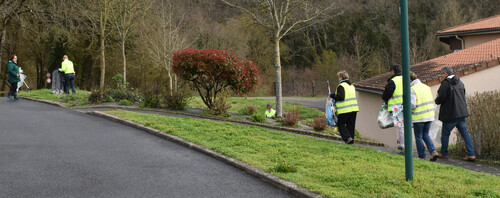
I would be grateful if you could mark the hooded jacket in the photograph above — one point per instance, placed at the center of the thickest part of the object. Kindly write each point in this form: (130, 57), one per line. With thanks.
(451, 97)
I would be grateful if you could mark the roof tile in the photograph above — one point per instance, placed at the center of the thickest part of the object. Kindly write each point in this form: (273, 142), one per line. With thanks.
(463, 62)
(482, 24)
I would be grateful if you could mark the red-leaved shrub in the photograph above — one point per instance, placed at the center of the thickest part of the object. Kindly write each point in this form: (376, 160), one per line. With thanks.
(319, 123)
(291, 118)
(211, 71)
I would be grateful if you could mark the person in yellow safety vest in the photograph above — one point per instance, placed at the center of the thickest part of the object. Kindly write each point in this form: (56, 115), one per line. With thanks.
(347, 107)
(270, 112)
(393, 96)
(422, 115)
(69, 74)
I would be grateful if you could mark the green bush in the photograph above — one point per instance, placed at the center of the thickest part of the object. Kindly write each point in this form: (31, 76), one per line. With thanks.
(152, 97)
(121, 93)
(221, 103)
(177, 101)
(125, 102)
(257, 118)
(108, 99)
(484, 116)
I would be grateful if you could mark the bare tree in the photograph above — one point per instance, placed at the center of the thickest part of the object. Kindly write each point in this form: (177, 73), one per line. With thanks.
(282, 17)
(98, 13)
(164, 39)
(126, 15)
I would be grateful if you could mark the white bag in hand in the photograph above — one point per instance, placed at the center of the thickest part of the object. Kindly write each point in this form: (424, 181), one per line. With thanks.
(436, 127)
(384, 118)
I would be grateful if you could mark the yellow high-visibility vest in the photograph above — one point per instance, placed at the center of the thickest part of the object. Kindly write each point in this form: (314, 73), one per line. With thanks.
(397, 96)
(67, 67)
(425, 102)
(349, 104)
(270, 114)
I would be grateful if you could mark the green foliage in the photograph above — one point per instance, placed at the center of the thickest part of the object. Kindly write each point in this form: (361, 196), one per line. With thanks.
(257, 117)
(118, 78)
(177, 101)
(239, 103)
(108, 99)
(125, 102)
(122, 93)
(221, 104)
(283, 166)
(249, 109)
(482, 192)
(325, 167)
(152, 97)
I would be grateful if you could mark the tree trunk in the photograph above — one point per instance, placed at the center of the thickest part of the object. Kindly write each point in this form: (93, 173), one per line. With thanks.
(124, 64)
(2, 76)
(277, 67)
(103, 65)
(170, 81)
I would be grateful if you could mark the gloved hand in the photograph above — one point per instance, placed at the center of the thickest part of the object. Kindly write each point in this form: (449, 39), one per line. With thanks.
(332, 95)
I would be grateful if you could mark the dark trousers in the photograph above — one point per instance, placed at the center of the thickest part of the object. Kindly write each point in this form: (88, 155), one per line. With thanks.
(346, 123)
(69, 79)
(13, 90)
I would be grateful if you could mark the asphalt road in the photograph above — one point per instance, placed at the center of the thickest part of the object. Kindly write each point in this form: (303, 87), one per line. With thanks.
(48, 151)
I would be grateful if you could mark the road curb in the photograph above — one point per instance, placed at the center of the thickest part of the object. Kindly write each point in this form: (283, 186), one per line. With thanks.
(287, 186)
(44, 101)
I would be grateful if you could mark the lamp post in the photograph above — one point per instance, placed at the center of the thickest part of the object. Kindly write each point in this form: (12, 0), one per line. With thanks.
(405, 62)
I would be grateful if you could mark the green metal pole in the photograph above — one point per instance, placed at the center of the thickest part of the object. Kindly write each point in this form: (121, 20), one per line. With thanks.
(405, 54)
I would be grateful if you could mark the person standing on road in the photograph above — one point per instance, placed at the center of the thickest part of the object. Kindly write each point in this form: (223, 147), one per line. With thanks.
(14, 77)
(453, 112)
(393, 96)
(347, 107)
(69, 74)
(422, 115)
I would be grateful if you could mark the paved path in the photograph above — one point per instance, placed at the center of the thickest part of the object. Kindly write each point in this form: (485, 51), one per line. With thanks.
(48, 151)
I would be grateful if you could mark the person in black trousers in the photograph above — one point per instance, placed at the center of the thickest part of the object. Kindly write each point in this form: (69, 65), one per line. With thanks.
(347, 107)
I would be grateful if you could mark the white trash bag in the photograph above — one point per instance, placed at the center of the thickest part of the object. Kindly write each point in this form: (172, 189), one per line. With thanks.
(384, 118)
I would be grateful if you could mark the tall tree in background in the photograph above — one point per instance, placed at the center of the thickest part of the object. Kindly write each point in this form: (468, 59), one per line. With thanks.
(282, 17)
(99, 13)
(126, 15)
(164, 39)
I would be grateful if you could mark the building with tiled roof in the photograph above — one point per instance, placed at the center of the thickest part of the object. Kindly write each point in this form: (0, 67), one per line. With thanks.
(478, 66)
(471, 34)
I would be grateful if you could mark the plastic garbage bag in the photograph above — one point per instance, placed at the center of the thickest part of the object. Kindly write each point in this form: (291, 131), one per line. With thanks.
(384, 118)
(331, 119)
(436, 127)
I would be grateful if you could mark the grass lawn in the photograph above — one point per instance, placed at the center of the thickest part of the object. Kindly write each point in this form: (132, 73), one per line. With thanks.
(79, 99)
(237, 103)
(328, 168)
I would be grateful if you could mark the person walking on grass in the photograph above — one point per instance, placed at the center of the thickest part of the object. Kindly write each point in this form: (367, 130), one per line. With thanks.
(422, 115)
(14, 77)
(347, 107)
(453, 112)
(393, 96)
(69, 74)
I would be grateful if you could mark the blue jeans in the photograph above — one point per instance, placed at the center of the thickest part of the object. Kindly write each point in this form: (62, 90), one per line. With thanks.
(461, 125)
(421, 131)
(69, 79)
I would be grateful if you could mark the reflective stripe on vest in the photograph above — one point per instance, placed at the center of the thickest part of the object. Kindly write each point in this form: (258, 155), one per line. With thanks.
(425, 102)
(397, 96)
(349, 104)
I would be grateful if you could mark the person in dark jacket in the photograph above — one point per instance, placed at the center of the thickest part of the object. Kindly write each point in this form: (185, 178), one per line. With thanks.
(393, 96)
(13, 72)
(453, 112)
(347, 107)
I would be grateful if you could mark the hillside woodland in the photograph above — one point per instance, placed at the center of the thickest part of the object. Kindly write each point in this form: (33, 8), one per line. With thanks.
(136, 39)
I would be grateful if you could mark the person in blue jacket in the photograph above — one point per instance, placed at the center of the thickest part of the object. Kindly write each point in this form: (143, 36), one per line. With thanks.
(14, 78)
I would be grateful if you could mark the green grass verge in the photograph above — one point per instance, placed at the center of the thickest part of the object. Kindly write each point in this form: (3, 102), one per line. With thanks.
(78, 99)
(237, 103)
(328, 168)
